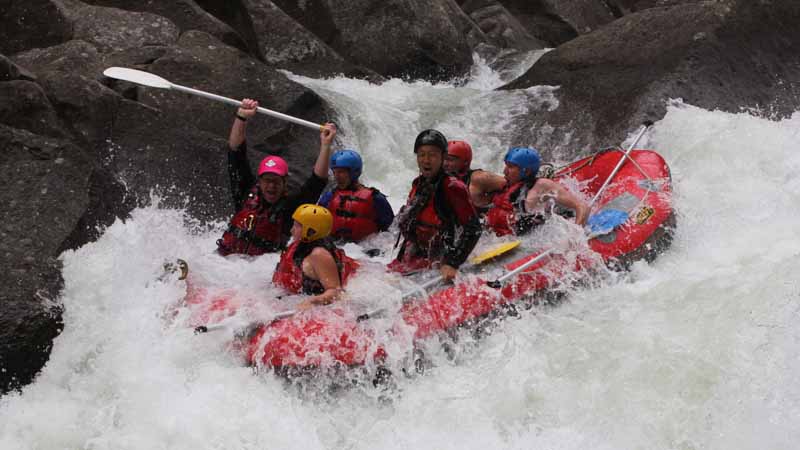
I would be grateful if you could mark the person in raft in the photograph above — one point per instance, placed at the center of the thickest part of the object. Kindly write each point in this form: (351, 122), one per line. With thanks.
(264, 208)
(482, 185)
(312, 264)
(358, 211)
(438, 223)
(520, 206)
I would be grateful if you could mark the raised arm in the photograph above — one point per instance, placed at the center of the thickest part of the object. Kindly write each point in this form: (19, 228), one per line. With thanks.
(326, 135)
(239, 128)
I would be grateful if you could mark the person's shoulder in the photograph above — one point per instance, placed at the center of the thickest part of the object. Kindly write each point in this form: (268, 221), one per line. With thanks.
(320, 254)
(545, 183)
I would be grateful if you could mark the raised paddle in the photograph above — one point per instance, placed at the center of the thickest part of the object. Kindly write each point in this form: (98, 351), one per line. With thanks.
(155, 81)
(645, 125)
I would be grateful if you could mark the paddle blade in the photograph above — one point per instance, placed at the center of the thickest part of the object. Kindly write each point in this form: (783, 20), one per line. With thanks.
(606, 220)
(495, 252)
(138, 77)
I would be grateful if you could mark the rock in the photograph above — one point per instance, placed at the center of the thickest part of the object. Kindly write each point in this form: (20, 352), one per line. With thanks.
(30, 316)
(153, 151)
(74, 56)
(584, 16)
(186, 14)
(541, 23)
(23, 104)
(499, 26)
(32, 24)
(85, 104)
(10, 71)
(726, 55)
(111, 29)
(426, 39)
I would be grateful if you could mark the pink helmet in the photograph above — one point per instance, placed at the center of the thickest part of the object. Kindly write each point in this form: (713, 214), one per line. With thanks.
(273, 164)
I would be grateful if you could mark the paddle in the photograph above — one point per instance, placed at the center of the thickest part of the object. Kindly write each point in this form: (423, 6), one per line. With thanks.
(645, 125)
(224, 326)
(151, 80)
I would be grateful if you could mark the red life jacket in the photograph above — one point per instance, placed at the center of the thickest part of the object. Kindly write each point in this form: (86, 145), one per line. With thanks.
(289, 272)
(256, 229)
(428, 223)
(354, 216)
(506, 212)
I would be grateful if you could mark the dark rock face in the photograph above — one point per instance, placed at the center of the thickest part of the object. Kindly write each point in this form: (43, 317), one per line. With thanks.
(725, 54)
(403, 38)
(501, 28)
(185, 14)
(31, 24)
(43, 197)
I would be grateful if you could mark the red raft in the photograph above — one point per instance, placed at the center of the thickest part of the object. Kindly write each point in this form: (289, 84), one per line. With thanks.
(641, 190)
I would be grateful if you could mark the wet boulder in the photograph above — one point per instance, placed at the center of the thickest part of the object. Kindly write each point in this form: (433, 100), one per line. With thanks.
(723, 55)
(429, 39)
(185, 14)
(32, 24)
(43, 200)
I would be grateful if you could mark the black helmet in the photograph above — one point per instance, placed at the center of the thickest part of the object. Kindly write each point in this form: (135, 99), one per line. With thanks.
(431, 137)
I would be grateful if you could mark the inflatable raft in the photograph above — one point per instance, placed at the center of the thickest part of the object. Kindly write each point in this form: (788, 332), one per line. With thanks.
(636, 193)
(639, 194)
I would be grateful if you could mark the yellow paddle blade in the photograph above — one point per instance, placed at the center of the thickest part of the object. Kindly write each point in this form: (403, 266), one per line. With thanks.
(495, 252)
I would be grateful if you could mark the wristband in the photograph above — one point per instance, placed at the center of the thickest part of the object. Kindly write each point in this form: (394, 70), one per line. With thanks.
(242, 118)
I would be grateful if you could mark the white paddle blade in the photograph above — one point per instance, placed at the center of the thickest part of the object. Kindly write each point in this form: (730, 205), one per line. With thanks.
(138, 77)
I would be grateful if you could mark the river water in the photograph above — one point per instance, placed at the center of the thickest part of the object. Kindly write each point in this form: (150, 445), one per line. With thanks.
(698, 350)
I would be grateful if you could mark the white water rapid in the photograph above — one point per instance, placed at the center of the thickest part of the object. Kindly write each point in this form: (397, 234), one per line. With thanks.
(699, 350)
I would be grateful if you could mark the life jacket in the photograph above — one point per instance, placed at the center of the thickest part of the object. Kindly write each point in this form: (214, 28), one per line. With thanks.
(289, 271)
(354, 216)
(424, 225)
(507, 214)
(256, 229)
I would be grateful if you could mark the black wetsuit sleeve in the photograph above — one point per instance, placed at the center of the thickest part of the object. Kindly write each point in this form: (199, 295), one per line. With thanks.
(240, 174)
(460, 245)
(383, 210)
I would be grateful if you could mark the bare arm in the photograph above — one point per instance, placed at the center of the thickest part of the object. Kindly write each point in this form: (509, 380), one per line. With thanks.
(326, 135)
(550, 189)
(320, 265)
(239, 127)
(488, 181)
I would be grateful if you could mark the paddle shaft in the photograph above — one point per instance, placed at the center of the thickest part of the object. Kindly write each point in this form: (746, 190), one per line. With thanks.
(231, 101)
(224, 326)
(645, 126)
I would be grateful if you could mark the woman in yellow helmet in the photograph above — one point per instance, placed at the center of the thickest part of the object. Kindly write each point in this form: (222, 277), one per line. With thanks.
(312, 264)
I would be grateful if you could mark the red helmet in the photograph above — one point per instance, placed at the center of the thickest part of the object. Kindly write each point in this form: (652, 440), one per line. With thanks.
(461, 150)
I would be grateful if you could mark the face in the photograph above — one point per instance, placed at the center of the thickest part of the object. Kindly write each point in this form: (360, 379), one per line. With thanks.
(429, 160)
(272, 186)
(453, 164)
(342, 177)
(513, 173)
(297, 231)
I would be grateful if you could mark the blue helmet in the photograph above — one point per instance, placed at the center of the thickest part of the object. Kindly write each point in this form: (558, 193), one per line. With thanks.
(348, 159)
(526, 158)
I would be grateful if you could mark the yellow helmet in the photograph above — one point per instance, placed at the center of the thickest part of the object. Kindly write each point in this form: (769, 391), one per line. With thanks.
(316, 220)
